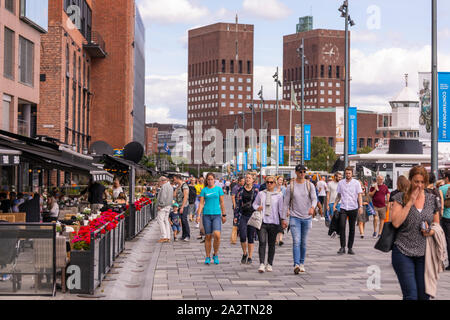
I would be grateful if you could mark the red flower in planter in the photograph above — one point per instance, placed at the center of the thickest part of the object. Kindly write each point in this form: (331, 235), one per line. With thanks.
(103, 231)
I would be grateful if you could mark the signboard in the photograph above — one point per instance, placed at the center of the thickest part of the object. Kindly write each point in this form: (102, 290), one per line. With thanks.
(255, 158)
(273, 150)
(353, 131)
(281, 151)
(118, 153)
(425, 106)
(298, 143)
(264, 155)
(307, 142)
(239, 162)
(9, 160)
(406, 165)
(443, 91)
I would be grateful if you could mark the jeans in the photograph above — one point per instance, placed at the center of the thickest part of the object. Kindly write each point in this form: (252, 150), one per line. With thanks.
(212, 222)
(445, 223)
(267, 236)
(299, 230)
(185, 223)
(411, 275)
(246, 232)
(352, 215)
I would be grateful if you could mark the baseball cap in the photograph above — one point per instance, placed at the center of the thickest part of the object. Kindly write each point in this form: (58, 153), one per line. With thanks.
(300, 167)
(175, 205)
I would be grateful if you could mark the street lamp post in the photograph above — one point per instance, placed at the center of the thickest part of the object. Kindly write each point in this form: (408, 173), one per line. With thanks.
(344, 13)
(434, 94)
(277, 84)
(260, 95)
(252, 107)
(301, 51)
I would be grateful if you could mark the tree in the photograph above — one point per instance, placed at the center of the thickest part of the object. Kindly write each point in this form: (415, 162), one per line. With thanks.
(364, 150)
(322, 155)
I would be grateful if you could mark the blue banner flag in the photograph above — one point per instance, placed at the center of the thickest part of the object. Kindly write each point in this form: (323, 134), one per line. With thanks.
(264, 155)
(353, 130)
(166, 148)
(443, 86)
(255, 158)
(245, 161)
(239, 162)
(281, 150)
(307, 136)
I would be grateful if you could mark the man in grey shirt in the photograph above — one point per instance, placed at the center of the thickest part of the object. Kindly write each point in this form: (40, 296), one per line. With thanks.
(164, 203)
(301, 208)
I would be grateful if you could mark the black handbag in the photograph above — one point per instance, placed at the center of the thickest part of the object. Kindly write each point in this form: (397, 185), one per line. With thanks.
(387, 238)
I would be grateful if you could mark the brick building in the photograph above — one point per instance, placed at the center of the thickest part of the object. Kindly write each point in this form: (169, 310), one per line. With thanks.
(20, 47)
(87, 64)
(220, 72)
(325, 71)
(151, 140)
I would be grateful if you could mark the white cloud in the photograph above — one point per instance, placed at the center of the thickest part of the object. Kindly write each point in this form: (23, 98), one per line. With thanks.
(172, 11)
(179, 11)
(379, 76)
(263, 77)
(267, 9)
(166, 98)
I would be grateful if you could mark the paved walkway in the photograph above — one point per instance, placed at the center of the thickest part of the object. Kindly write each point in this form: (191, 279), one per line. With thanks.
(149, 270)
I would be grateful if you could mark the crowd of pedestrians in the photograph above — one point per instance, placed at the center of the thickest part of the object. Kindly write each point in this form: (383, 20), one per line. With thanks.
(419, 210)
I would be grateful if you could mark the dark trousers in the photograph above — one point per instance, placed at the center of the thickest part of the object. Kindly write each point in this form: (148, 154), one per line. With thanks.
(352, 215)
(246, 233)
(445, 223)
(267, 237)
(186, 232)
(411, 275)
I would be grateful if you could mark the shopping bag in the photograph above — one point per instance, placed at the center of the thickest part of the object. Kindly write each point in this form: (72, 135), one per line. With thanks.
(255, 220)
(234, 233)
(370, 209)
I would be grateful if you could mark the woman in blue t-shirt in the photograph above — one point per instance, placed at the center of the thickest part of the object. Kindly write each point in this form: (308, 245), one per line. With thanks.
(212, 210)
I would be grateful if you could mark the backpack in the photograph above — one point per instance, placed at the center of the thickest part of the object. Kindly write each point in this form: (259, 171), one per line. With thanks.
(308, 187)
(192, 195)
(447, 199)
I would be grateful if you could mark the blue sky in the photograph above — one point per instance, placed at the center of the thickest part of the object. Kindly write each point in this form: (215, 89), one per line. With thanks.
(380, 56)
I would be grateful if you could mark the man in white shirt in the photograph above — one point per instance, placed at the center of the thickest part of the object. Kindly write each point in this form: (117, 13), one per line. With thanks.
(349, 195)
(331, 196)
(322, 191)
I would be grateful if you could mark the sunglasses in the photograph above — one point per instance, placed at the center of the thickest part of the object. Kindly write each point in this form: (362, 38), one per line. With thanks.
(301, 171)
(270, 182)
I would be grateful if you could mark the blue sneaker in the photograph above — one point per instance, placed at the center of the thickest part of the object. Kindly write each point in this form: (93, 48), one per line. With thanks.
(216, 259)
(208, 260)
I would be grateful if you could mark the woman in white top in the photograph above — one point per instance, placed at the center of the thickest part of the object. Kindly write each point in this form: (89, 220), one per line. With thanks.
(53, 206)
(270, 202)
(282, 189)
(117, 189)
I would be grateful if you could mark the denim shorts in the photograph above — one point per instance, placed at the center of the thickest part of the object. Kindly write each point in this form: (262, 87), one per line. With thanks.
(212, 222)
(176, 227)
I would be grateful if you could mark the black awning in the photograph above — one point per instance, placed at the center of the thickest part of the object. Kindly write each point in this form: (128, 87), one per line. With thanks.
(52, 159)
(122, 165)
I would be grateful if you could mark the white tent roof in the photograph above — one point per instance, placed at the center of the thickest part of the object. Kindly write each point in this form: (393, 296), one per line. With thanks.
(406, 95)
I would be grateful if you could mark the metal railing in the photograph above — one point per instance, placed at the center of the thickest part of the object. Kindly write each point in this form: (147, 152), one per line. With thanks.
(138, 220)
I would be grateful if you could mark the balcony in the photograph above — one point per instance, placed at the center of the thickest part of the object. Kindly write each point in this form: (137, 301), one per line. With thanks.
(95, 46)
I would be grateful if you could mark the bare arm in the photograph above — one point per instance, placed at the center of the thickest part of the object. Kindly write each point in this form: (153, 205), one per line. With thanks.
(399, 213)
(200, 208)
(222, 208)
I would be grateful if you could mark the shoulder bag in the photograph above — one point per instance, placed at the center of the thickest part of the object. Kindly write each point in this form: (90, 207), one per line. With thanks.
(387, 238)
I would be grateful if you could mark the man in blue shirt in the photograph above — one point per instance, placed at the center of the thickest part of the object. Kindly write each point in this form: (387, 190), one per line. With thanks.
(445, 221)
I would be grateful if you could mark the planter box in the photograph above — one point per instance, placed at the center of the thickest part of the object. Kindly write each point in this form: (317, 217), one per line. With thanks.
(83, 260)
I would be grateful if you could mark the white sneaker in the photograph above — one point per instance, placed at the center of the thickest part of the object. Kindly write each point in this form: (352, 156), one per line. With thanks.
(315, 219)
(296, 269)
(302, 268)
(269, 268)
(261, 268)
(322, 218)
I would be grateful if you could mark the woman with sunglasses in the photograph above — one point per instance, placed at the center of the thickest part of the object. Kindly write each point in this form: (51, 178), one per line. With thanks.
(270, 203)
